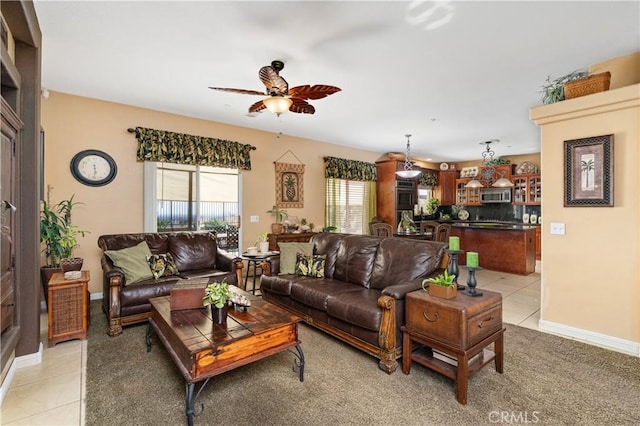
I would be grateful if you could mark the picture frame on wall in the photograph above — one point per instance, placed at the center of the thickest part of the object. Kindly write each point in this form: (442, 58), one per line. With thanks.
(588, 172)
(289, 185)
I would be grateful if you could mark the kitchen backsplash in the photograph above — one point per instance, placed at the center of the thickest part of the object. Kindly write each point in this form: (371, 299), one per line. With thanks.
(499, 212)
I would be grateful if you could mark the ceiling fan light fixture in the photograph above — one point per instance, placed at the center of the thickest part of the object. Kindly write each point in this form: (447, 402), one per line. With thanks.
(408, 172)
(277, 104)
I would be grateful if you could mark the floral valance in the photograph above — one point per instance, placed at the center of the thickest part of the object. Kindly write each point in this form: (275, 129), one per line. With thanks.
(428, 178)
(180, 148)
(340, 168)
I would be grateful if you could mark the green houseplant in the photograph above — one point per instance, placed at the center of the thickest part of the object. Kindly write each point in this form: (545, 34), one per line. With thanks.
(441, 286)
(263, 242)
(553, 90)
(217, 295)
(280, 215)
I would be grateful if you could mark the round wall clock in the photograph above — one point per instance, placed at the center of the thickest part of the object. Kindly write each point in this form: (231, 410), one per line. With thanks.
(94, 168)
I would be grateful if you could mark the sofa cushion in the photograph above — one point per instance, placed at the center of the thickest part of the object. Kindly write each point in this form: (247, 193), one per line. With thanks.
(275, 284)
(310, 266)
(355, 258)
(314, 293)
(327, 243)
(158, 243)
(193, 251)
(400, 260)
(162, 265)
(140, 293)
(288, 253)
(133, 262)
(357, 307)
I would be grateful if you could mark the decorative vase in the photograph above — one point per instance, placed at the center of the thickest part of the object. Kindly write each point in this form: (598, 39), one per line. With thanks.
(406, 223)
(219, 315)
(443, 292)
(276, 228)
(263, 246)
(71, 264)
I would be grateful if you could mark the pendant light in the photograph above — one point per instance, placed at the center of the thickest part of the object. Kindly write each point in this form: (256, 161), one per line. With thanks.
(488, 170)
(408, 171)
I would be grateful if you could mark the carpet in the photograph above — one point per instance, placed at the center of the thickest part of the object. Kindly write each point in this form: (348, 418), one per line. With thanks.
(546, 380)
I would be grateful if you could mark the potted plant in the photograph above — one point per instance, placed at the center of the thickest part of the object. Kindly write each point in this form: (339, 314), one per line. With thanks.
(441, 286)
(217, 295)
(280, 215)
(432, 206)
(553, 90)
(60, 238)
(263, 242)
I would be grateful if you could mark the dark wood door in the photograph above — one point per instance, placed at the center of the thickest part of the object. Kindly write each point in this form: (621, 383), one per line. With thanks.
(10, 127)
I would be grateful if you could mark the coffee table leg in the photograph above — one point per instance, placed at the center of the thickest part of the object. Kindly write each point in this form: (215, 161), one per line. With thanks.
(299, 364)
(191, 400)
(147, 337)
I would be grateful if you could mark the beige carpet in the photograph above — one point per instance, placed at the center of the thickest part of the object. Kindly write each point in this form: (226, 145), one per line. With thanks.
(546, 380)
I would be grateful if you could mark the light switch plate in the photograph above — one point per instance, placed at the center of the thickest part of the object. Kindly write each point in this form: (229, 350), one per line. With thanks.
(254, 219)
(557, 228)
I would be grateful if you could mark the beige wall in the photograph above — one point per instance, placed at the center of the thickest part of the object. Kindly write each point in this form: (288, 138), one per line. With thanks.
(73, 123)
(591, 275)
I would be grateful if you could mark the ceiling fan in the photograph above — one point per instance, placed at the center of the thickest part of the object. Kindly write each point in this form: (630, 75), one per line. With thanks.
(280, 98)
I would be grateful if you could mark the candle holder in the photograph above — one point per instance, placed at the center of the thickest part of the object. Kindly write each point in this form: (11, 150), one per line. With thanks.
(453, 266)
(471, 281)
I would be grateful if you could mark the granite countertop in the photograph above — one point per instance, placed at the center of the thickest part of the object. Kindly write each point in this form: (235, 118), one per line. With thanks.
(479, 224)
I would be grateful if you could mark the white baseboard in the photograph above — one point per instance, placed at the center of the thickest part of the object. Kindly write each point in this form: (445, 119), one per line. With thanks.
(19, 362)
(96, 296)
(614, 343)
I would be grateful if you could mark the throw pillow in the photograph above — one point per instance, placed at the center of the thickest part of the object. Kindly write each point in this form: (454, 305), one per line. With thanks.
(310, 266)
(288, 255)
(162, 265)
(133, 262)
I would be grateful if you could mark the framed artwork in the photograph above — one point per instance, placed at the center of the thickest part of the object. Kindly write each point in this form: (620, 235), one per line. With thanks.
(588, 172)
(289, 185)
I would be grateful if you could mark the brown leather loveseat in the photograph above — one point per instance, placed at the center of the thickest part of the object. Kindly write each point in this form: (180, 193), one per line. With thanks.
(195, 254)
(360, 300)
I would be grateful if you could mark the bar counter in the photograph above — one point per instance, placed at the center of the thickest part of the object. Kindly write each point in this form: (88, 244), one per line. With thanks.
(501, 246)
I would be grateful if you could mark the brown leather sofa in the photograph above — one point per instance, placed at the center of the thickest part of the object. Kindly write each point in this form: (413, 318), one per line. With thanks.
(361, 298)
(196, 255)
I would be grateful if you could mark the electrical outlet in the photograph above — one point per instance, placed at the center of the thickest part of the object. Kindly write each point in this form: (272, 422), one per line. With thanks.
(557, 228)
(254, 219)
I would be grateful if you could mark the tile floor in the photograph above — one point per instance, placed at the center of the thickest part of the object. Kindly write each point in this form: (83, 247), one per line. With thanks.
(53, 392)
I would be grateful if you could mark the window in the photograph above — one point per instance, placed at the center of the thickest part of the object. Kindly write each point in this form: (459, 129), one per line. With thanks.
(349, 205)
(193, 198)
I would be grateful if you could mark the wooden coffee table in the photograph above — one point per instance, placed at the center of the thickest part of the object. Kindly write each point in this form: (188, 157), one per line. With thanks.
(202, 350)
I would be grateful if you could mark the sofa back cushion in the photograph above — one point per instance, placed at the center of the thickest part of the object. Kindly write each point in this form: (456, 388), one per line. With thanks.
(400, 260)
(355, 259)
(192, 251)
(327, 244)
(158, 242)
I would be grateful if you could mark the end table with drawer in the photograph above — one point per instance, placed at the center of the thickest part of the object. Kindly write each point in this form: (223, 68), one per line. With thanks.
(453, 335)
(68, 303)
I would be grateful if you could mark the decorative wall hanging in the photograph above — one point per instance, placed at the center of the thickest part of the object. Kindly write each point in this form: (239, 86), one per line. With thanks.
(289, 183)
(588, 172)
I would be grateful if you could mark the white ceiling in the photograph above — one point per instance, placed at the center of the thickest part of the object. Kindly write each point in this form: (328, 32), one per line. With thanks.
(451, 73)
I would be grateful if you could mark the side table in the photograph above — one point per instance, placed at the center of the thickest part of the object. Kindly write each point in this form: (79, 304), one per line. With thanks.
(454, 334)
(68, 303)
(255, 260)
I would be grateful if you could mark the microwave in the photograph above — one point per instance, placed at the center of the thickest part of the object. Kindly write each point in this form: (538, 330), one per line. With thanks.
(495, 195)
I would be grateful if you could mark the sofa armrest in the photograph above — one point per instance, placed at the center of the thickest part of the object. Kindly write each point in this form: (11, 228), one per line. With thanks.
(230, 263)
(271, 266)
(398, 291)
(113, 281)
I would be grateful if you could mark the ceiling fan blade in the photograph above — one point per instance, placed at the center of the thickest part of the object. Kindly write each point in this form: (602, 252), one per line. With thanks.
(301, 106)
(317, 91)
(275, 84)
(243, 91)
(257, 107)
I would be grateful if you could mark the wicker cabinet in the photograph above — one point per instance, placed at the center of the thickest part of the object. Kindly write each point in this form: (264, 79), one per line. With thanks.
(68, 303)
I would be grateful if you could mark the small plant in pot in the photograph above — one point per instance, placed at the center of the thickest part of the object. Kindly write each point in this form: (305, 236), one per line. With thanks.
(217, 295)
(60, 238)
(441, 286)
(263, 242)
(280, 216)
(553, 90)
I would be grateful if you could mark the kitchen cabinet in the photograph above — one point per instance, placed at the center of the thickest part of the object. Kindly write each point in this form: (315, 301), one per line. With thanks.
(387, 191)
(527, 189)
(466, 196)
(446, 190)
(539, 243)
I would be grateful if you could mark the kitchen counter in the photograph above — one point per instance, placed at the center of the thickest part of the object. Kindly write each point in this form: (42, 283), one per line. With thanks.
(501, 246)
